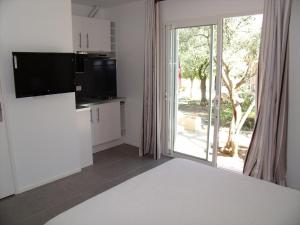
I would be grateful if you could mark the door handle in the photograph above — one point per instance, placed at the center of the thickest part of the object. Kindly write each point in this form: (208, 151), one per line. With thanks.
(91, 116)
(87, 41)
(80, 40)
(98, 111)
(1, 113)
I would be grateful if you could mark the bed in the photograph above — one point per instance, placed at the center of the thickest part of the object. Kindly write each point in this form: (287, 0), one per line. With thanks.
(183, 192)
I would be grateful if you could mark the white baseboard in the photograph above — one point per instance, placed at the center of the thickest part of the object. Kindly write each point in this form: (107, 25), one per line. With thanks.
(292, 185)
(5, 195)
(108, 145)
(46, 181)
(87, 164)
(132, 143)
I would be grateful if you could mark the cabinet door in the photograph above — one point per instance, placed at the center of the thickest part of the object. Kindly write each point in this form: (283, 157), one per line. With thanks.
(94, 125)
(97, 35)
(78, 34)
(109, 124)
(84, 137)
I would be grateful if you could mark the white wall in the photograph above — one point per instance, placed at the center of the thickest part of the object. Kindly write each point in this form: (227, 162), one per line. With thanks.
(41, 130)
(81, 10)
(294, 106)
(177, 10)
(130, 27)
(84, 10)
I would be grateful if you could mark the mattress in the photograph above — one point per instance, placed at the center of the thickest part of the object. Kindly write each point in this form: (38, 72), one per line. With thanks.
(183, 192)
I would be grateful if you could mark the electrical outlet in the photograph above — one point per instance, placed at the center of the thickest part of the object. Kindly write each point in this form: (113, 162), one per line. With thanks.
(78, 88)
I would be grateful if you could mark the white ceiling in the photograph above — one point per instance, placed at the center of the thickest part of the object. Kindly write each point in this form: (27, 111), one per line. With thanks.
(102, 3)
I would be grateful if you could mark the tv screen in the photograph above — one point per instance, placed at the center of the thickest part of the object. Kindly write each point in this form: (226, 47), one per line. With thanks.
(38, 74)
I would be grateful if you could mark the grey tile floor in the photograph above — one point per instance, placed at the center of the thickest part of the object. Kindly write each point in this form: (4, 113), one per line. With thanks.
(111, 167)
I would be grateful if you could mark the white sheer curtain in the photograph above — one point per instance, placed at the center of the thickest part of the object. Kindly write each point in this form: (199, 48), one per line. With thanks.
(267, 153)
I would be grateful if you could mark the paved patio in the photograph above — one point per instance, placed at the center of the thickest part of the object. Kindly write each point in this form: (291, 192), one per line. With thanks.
(191, 140)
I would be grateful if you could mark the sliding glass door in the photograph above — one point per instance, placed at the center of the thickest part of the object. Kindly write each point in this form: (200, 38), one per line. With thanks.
(194, 73)
(212, 71)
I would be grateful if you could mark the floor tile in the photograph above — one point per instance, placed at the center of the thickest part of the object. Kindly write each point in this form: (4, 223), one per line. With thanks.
(111, 167)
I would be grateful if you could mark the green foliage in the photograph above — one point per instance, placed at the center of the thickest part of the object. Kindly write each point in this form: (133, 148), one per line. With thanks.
(194, 52)
(250, 121)
(241, 41)
(226, 112)
(202, 69)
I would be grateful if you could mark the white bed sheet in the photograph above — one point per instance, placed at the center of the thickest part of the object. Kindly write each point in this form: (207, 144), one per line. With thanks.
(183, 192)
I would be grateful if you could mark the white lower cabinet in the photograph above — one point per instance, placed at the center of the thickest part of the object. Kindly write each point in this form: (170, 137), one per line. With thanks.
(84, 137)
(105, 123)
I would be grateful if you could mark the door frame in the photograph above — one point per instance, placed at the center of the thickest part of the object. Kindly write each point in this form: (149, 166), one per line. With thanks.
(172, 68)
(10, 163)
(172, 25)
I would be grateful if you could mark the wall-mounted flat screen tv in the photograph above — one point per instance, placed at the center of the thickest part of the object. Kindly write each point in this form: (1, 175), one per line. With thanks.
(38, 74)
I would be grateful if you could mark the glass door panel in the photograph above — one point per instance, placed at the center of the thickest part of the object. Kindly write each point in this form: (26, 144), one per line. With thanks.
(240, 51)
(193, 90)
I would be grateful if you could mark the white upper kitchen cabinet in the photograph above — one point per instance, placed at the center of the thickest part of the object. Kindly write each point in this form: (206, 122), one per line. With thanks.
(91, 35)
(78, 33)
(97, 34)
